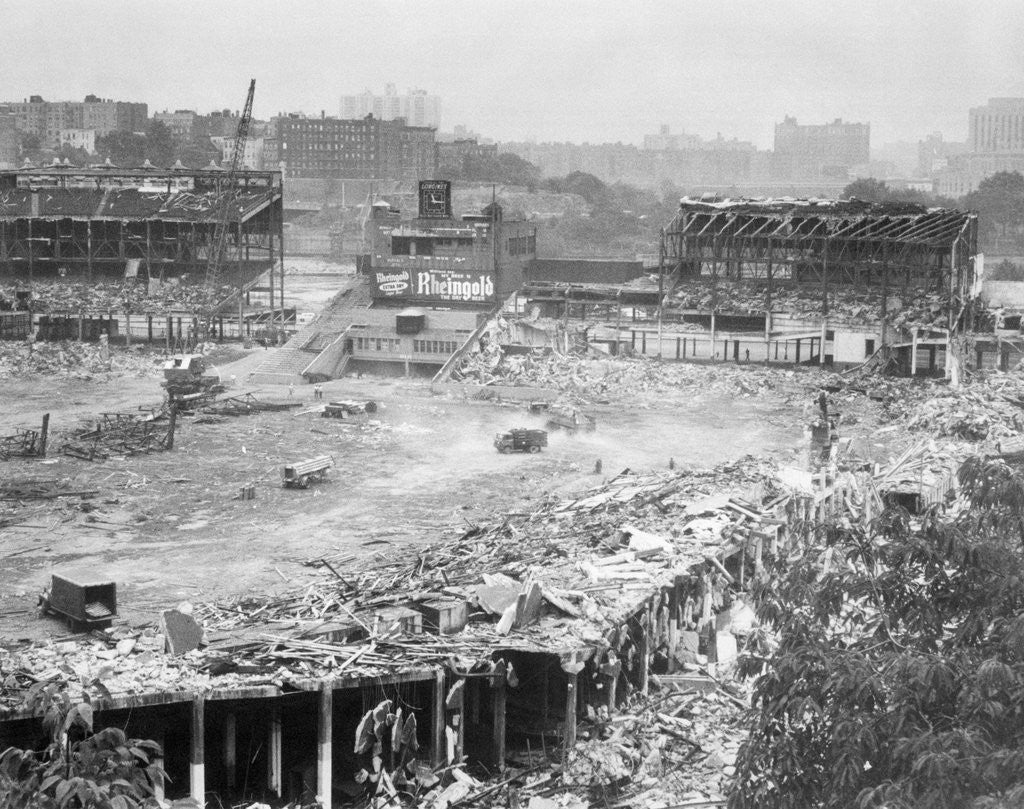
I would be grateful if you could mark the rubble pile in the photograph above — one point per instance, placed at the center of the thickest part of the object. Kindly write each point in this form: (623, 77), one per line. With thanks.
(985, 409)
(918, 307)
(596, 379)
(128, 296)
(572, 551)
(677, 745)
(68, 359)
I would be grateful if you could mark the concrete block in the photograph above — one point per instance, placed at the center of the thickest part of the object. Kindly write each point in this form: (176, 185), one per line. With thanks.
(443, 616)
(182, 632)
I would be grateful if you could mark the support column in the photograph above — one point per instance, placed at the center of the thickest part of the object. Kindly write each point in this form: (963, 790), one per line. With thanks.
(611, 673)
(455, 701)
(44, 432)
(88, 246)
(280, 251)
(712, 335)
(569, 733)
(821, 347)
(274, 752)
(498, 698)
(913, 354)
(230, 748)
(31, 252)
(460, 717)
(197, 767)
(438, 742)
(885, 305)
(644, 653)
(324, 758)
(158, 782)
(270, 252)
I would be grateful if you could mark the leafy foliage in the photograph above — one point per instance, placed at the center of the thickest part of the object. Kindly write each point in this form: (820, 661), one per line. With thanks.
(79, 769)
(504, 168)
(623, 220)
(872, 190)
(999, 202)
(898, 679)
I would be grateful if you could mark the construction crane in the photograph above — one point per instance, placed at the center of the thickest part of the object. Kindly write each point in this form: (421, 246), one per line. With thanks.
(228, 200)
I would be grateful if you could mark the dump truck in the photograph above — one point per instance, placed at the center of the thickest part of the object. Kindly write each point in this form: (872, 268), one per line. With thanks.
(570, 420)
(346, 407)
(521, 440)
(187, 379)
(300, 474)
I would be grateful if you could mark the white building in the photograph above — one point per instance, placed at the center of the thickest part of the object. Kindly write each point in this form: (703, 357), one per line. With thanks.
(252, 157)
(416, 106)
(78, 139)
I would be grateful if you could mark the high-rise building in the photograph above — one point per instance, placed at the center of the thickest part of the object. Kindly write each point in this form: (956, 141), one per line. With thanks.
(996, 143)
(417, 107)
(998, 127)
(813, 151)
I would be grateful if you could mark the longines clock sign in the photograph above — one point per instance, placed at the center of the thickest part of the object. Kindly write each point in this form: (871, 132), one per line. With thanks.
(435, 199)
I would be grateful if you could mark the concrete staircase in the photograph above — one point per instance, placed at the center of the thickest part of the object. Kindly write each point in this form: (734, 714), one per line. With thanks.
(285, 365)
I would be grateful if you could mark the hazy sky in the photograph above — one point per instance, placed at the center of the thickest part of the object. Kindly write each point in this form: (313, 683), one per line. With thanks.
(608, 70)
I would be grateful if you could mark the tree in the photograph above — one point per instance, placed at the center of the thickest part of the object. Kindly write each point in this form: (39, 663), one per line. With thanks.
(585, 185)
(505, 169)
(867, 189)
(79, 769)
(898, 679)
(123, 148)
(198, 153)
(159, 144)
(999, 202)
(30, 142)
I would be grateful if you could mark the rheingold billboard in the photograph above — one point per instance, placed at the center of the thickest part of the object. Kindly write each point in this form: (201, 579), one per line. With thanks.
(433, 284)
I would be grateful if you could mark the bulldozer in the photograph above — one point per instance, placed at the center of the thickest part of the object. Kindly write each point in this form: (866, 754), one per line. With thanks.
(188, 380)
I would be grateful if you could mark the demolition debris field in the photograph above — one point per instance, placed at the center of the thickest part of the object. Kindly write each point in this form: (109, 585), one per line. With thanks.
(172, 526)
(169, 526)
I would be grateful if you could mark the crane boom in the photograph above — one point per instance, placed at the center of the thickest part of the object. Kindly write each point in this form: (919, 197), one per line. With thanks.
(229, 195)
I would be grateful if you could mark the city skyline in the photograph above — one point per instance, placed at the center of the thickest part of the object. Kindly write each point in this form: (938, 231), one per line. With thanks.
(511, 72)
